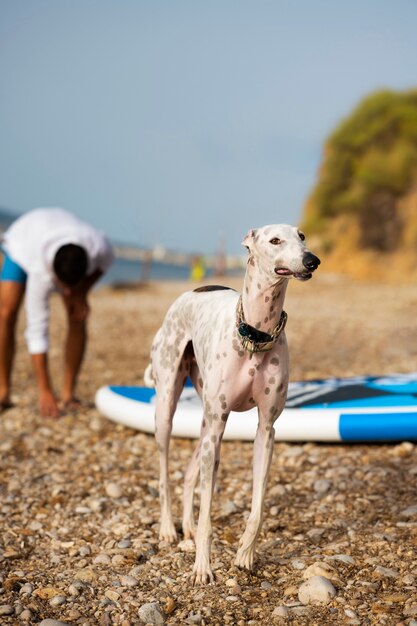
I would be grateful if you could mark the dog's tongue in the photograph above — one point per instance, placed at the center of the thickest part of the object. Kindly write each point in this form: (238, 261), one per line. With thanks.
(282, 271)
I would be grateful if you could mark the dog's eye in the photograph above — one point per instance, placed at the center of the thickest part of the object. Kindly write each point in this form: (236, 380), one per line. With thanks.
(275, 241)
(301, 235)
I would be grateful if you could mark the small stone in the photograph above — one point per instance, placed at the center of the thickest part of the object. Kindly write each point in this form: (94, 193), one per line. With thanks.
(84, 551)
(6, 609)
(322, 485)
(170, 605)
(124, 543)
(73, 591)
(280, 611)
(113, 490)
(296, 564)
(118, 559)
(53, 622)
(102, 559)
(82, 510)
(18, 608)
(266, 585)
(344, 558)
(112, 595)
(187, 545)
(316, 590)
(320, 569)
(292, 590)
(410, 511)
(26, 615)
(129, 581)
(150, 613)
(404, 449)
(228, 507)
(410, 610)
(26, 589)
(386, 572)
(86, 575)
(57, 600)
(315, 534)
(97, 504)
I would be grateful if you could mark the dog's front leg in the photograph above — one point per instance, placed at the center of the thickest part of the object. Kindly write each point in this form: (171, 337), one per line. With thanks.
(262, 454)
(209, 463)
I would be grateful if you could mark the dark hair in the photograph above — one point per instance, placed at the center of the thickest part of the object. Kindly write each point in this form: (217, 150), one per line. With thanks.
(70, 264)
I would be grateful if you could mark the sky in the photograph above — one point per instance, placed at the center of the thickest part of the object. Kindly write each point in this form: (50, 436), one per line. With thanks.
(182, 123)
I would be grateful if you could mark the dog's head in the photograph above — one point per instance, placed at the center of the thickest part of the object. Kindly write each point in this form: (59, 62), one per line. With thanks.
(280, 251)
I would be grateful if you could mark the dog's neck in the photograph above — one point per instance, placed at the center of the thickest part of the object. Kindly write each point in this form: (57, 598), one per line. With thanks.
(262, 299)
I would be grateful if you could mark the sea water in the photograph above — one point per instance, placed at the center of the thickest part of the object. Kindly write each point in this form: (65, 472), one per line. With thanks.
(133, 271)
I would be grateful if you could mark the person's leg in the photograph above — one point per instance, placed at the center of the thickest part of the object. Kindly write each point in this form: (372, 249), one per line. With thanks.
(11, 296)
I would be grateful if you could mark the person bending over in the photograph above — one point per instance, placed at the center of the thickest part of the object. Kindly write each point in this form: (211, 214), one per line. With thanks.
(45, 250)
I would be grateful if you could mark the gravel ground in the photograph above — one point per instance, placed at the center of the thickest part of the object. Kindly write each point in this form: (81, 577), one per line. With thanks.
(78, 496)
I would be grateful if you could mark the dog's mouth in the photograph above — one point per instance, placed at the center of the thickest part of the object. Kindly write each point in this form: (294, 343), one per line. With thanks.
(284, 271)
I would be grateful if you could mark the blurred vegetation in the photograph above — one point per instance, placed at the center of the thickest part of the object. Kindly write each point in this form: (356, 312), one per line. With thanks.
(369, 163)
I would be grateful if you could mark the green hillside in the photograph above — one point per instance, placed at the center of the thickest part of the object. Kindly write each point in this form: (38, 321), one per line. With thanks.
(369, 168)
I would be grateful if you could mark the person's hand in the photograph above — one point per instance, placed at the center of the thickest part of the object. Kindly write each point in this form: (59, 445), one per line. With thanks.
(48, 405)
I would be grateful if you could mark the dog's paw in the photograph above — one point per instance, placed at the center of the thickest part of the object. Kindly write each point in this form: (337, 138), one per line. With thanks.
(189, 531)
(245, 557)
(202, 572)
(168, 533)
(202, 576)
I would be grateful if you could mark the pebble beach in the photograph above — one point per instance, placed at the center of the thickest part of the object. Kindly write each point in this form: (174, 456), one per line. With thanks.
(79, 509)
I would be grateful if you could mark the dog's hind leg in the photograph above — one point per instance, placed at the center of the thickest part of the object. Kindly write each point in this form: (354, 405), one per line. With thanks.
(164, 412)
(190, 481)
(167, 397)
(193, 469)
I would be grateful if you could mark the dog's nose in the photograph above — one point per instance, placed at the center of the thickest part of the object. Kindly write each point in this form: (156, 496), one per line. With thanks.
(311, 261)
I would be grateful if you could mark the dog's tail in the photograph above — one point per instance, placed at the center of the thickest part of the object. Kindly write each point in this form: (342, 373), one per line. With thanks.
(148, 376)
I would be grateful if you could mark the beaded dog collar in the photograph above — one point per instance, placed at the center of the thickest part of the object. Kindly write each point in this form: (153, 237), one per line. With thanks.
(254, 340)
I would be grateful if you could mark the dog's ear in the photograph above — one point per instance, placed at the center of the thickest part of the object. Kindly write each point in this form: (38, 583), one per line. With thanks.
(248, 240)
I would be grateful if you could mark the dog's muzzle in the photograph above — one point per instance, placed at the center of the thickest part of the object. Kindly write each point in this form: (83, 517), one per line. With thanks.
(311, 261)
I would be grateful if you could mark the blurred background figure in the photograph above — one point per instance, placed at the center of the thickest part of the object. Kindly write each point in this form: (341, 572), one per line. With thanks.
(46, 250)
(198, 269)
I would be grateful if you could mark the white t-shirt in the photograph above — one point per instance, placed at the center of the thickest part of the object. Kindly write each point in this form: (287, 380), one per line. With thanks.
(32, 242)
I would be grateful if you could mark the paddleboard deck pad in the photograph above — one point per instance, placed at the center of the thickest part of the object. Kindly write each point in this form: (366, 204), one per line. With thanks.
(372, 408)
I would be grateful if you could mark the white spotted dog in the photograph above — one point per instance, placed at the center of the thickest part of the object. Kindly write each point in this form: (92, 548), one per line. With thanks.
(235, 351)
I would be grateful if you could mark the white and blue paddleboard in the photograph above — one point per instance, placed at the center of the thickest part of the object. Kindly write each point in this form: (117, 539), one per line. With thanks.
(336, 409)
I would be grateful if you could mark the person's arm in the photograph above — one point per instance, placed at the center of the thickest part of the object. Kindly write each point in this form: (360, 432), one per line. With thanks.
(75, 298)
(48, 404)
(91, 280)
(37, 313)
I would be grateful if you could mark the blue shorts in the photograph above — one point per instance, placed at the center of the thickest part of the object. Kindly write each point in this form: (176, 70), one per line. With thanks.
(12, 271)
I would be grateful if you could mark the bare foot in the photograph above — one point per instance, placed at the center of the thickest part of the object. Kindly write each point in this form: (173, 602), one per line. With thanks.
(72, 405)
